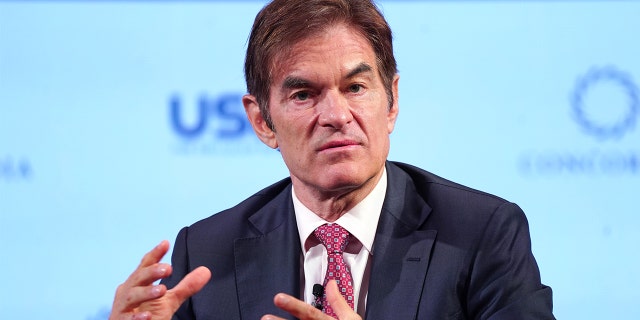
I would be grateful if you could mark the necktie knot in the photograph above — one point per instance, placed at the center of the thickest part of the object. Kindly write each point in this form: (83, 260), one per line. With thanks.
(333, 237)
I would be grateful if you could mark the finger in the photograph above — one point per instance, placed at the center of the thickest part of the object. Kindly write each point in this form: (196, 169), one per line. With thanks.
(338, 303)
(155, 255)
(129, 299)
(297, 308)
(148, 275)
(141, 316)
(149, 270)
(191, 283)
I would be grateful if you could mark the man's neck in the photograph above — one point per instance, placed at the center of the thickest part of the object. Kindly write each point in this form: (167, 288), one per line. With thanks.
(332, 204)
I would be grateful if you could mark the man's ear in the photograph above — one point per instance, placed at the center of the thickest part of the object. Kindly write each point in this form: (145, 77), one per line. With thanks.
(392, 115)
(260, 127)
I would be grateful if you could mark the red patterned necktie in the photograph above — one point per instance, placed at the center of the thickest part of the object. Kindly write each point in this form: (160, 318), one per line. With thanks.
(335, 239)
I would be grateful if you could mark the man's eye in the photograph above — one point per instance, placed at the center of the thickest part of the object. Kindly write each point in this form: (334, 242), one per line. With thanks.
(355, 88)
(301, 95)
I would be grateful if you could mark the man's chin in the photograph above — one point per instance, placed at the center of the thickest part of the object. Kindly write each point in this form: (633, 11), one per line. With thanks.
(345, 178)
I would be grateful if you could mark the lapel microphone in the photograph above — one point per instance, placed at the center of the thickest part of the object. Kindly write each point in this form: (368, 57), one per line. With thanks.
(318, 292)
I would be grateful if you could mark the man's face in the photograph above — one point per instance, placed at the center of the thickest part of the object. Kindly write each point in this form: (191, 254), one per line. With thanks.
(330, 113)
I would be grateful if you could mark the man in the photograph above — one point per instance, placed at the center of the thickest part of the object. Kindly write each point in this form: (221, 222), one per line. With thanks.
(323, 89)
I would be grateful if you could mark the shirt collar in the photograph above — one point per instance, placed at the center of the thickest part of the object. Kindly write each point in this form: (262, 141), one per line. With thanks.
(361, 221)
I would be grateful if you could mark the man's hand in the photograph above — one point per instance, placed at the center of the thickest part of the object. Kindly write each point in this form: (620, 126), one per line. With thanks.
(305, 311)
(139, 299)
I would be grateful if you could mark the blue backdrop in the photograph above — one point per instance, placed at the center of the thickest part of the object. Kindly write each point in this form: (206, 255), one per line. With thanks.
(120, 121)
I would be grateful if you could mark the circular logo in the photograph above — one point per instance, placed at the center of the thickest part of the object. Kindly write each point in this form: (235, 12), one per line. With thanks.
(605, 102)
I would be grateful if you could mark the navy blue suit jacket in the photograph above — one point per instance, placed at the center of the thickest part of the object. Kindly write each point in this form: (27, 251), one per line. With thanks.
(441, 251)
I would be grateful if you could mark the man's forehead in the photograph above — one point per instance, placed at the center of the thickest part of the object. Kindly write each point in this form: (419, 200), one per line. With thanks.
(297, 57)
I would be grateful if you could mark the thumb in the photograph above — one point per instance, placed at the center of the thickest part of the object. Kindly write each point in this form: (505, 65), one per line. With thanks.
(191, 283)
(337, 301)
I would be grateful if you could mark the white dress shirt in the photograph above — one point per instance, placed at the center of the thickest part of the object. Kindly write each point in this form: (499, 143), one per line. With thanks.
(361, 222)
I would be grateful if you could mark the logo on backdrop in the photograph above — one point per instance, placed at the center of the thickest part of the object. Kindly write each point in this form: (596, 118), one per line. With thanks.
(211, 124)
(605, 106)
(605, 103)
(13, 169)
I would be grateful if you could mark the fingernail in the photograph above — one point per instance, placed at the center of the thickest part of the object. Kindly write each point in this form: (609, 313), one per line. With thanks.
(161, 271)
(156, 291)
(282, 298)
(142, 316)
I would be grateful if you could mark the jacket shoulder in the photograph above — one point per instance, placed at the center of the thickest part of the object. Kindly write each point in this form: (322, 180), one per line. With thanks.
(431, 186)
(234, 220)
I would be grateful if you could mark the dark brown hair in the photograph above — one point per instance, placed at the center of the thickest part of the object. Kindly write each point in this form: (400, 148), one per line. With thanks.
(283, 23)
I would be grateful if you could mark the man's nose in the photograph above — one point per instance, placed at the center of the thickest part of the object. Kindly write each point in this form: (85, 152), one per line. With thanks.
(334, 110)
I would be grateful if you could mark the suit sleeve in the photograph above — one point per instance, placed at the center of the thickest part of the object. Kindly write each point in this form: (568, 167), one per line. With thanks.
(505, 279)
(180, 266)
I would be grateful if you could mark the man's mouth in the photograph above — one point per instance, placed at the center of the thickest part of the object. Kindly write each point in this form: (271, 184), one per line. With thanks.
(338, 144)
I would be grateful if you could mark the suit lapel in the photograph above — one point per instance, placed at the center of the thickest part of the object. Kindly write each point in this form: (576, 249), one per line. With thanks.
(401, 252)
(269, 263)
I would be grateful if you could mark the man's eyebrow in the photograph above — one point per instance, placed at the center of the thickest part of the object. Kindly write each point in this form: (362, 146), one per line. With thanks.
(297, 82)
(360, 68)
(294, 83)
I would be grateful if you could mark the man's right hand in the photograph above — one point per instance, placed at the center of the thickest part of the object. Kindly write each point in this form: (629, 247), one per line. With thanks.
(304, 311)
(139, 299)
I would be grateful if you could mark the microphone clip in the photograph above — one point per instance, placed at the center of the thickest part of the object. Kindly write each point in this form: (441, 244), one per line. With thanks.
(318, 293)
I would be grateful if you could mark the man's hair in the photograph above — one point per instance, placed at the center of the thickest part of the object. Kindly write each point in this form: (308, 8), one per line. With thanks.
(283, 23)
